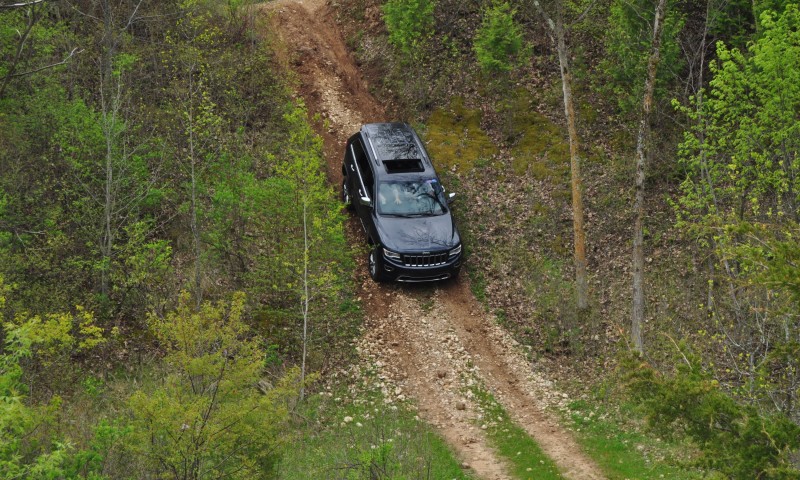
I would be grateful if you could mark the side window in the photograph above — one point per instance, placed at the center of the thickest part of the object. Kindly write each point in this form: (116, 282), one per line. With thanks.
(348, 158)
(363, 166)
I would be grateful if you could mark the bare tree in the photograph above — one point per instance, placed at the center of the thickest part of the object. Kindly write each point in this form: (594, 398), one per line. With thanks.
(558, 37)
(9, 6)
(111, 99)
(637, 313)
(33, 15)
(304, 300)
(194, 172)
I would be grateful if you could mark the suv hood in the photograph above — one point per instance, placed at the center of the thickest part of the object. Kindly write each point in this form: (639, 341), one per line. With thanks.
(417, 234)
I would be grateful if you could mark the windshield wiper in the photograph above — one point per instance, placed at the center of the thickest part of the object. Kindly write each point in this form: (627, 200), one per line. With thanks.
(436, 199)
(403, 215)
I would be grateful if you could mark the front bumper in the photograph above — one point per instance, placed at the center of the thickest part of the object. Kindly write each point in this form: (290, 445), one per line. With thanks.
(411, 269)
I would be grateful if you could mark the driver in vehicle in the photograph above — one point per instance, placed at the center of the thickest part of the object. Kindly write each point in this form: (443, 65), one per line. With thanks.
(390, 191)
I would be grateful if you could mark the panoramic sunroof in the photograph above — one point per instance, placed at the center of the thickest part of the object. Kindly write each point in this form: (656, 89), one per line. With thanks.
(393, 143)
(403, 165)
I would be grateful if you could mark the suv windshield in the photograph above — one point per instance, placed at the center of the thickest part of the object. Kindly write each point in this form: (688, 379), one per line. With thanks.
(411, 198)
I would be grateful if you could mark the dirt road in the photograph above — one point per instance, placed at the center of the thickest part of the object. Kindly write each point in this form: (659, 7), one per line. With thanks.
(431, 342)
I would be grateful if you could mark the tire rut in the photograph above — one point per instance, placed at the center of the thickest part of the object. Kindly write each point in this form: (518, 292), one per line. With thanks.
(431, 343)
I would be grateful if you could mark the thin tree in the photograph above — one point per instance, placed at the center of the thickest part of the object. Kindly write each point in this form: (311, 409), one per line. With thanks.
(558, 37)
(190, 55)
(637, 312)
(116, 205)
(116, 154)
(713, 12)
(9, 6)
(33, 16)
(305, 299)
(193, 174)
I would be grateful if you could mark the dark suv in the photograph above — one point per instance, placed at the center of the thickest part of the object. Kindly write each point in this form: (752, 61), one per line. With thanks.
(390, 182)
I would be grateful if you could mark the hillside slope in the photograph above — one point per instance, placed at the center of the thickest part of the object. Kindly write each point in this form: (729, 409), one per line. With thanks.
(430, 343)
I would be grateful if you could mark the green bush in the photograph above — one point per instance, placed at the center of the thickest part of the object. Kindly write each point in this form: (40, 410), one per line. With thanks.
(30, 445)
(736, 440)
(499, 42)
(208, 419)
(410, 23)
(627, 43)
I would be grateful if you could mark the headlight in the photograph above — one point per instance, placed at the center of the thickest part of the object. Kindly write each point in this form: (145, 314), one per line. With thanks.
(455, 251)
(390, 254)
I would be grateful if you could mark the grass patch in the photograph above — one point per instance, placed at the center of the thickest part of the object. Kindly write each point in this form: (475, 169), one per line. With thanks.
(454, 138)
(477, 283)
(525, 458)
(364, 437)
(539, 145)
(626, 454)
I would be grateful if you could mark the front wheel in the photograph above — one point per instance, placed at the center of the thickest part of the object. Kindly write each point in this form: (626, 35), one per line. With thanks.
(375, 262)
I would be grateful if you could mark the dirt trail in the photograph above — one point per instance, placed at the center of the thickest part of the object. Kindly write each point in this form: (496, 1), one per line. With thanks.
(430, 343)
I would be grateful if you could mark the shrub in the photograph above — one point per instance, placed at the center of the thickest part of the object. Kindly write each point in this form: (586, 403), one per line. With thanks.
(208, 419)
(499, 43)
(627, 43)
(410, 23)
(736, 440)
(29, 446)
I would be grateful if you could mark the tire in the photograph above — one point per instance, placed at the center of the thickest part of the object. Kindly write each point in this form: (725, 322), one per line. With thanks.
(346, 199)
(375, 265)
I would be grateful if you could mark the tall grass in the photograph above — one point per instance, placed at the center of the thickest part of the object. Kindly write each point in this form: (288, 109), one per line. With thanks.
(366, 437)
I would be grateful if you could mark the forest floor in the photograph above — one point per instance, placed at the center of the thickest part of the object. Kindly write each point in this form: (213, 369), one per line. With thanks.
(432, 344)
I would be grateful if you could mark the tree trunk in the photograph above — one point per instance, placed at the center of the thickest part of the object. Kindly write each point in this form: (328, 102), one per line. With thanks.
(558, 37)
(33, 18)
(194, 223)
(637, 312)
(305, 299)
(109, 104)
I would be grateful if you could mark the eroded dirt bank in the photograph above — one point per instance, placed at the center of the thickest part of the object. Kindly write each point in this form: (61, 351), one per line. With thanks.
(430, 343)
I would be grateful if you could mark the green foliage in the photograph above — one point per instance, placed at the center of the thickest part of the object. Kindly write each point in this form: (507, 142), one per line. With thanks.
(208, 419)
(298, 194)
(29, 39)
(410, 24)
(352, 433)
(29, 448)
(777, 7)
(108, 436)
(499, 41)
(611, 436)
(84, 159)
(740, 199)
(628, 42)
(734, 22)
(143, 263)
(19, 457)
(39, 247)
(742, 154)
(736, 439)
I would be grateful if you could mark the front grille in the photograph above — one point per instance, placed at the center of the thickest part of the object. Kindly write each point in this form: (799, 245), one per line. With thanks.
(426, 260)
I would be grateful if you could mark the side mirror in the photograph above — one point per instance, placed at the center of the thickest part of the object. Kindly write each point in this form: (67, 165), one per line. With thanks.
(366, 201)
(450, 197)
